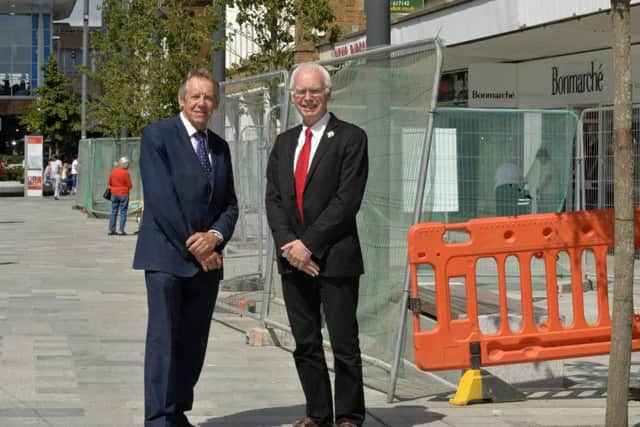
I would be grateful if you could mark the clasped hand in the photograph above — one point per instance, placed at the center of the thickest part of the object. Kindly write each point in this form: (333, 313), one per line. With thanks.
(202, 245)
(300, 257)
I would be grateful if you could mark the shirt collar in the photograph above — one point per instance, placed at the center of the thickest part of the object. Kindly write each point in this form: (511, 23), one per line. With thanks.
(191, 131)
(318, 126)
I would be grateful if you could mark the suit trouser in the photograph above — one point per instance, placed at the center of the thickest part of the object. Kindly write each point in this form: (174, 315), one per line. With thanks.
(180, 311)
(303, 296)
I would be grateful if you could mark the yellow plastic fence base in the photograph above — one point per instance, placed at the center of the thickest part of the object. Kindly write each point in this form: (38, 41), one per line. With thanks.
(478, 385)
(469, 388)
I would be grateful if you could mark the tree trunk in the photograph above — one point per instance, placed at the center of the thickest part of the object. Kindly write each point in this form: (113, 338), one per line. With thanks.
(620, 357)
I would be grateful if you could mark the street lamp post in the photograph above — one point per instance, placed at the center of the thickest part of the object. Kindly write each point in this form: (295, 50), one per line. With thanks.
(85, 47)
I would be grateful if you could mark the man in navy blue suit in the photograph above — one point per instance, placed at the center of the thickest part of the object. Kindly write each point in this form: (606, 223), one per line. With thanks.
(190, 211)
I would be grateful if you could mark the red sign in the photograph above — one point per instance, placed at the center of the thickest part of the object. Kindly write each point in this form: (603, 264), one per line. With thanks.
(350, 48)
(34, 182)
(34, 139)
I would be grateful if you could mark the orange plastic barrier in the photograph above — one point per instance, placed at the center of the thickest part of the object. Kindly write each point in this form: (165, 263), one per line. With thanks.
(543, 236)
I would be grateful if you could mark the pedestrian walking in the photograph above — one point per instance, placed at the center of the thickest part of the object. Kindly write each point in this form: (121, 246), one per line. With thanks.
(74, 176)
(56, 175)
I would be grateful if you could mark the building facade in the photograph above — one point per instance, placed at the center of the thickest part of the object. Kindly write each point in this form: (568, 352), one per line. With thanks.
(516, 53)
(26, 41)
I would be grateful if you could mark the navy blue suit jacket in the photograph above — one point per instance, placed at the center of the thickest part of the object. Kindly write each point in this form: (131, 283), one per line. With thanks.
(178, 200)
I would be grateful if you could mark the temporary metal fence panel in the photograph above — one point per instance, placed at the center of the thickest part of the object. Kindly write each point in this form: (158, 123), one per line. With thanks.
(388, 92)
(254, 110)
(499, 162)
(84, 180)
(477, 153)
(594, 158)
(489, 163)
(96, 158)
(594, 164)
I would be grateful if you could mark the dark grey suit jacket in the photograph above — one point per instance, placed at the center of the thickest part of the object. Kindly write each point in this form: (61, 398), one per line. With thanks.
(332, 196)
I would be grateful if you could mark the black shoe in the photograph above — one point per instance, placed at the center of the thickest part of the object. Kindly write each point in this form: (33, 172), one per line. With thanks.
(111, 233)
(183, 421)
(123, 233)
(308, 422)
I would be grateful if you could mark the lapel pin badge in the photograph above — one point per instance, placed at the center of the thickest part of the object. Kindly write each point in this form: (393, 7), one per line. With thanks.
(330, 134)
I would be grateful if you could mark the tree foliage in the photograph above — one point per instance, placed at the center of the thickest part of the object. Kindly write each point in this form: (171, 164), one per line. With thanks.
(56, 111)
(273, 23)
(145, 49)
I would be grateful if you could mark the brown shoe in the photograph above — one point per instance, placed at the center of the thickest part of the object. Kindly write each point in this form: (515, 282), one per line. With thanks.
(308, 422)
(347, 424)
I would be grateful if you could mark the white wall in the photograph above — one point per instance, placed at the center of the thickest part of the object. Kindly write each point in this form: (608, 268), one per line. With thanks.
(95, 14)
(481, 19)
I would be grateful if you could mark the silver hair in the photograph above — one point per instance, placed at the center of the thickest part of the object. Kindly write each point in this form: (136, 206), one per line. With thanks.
(200, 73)
(311, 66)
(123, 160)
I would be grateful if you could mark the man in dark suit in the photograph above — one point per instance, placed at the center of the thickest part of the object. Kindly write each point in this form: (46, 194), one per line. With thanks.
(190, 211)
(316, 177)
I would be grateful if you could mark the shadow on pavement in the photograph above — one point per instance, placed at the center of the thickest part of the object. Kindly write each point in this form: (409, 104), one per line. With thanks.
(264, 417)
(401, 416)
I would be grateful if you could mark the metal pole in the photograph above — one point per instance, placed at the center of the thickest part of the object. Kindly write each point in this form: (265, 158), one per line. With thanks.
(600, 159)
(219, 64)
(378, 23)
(85, 47)
(417, 211)
(268, 275)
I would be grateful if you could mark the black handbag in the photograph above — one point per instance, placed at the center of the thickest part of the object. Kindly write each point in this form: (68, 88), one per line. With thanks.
(107, 194)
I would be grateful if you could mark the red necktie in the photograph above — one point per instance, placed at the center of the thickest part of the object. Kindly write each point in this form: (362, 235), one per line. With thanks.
(301, 169)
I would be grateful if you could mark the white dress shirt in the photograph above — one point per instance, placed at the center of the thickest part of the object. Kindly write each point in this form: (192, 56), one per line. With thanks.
(191, 131)
(318, 130)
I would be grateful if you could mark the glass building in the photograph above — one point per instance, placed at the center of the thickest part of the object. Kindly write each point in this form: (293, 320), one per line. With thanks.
(25, 42)
(26, 30)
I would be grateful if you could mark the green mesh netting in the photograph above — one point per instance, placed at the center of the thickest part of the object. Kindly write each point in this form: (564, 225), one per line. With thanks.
(495, 162)
(96, 158)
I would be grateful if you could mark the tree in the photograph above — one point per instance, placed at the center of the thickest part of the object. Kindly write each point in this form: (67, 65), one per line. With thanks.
(620, 356)
(56, 111)
(273, 22)
(146, 48)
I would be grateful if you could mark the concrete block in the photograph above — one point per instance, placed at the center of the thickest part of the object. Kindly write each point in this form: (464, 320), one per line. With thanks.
(262, 337)
(565, 286)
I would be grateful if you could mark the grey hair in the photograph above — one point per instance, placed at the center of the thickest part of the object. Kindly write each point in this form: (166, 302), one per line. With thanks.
(200, 73)
(123, 160)
(311, 66)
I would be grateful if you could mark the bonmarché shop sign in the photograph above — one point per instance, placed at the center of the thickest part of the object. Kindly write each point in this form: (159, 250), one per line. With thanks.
(591, 80)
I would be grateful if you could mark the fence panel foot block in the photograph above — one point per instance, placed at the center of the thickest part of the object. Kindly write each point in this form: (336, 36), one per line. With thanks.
(478, 385)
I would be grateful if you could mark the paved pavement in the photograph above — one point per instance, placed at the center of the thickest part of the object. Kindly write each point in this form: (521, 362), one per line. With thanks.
(72, 324)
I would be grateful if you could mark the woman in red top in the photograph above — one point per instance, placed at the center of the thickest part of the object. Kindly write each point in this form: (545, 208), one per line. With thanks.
(120, 185)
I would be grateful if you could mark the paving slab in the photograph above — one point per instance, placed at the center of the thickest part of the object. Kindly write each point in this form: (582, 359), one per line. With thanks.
(72, 325)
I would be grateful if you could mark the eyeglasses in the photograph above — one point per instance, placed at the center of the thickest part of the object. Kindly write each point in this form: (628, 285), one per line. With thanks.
(314, 91)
